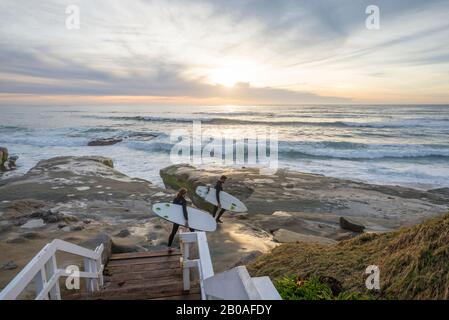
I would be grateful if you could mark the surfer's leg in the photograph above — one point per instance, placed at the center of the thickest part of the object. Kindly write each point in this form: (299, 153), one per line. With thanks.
(172, 234)
(220, 214)
(214, 212)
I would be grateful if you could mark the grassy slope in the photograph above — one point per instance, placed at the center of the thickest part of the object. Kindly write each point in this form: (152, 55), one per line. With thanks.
(413, 262)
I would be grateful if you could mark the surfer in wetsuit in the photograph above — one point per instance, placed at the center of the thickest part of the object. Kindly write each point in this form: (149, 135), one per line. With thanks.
(218, 189)
(180, 200)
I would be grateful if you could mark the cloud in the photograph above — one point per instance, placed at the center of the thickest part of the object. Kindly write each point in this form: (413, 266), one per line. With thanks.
(290, 51)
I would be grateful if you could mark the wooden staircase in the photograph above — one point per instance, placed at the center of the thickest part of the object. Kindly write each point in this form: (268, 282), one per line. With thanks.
(137, 276)
(142, 276)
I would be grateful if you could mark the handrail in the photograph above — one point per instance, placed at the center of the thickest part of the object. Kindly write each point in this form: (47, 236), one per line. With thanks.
(42, 269)
(203, 263)
(232, 284)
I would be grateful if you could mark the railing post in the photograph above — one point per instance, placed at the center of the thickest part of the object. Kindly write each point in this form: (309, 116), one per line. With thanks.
(185, 268)
(89, 281)
(99, 272)
(52, 268)
(39, 281)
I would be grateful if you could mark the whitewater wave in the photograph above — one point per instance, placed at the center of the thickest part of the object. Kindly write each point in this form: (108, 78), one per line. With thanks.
(342, 124)
(359, 151)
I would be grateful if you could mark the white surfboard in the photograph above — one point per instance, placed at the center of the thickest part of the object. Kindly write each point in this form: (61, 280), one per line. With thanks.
(228, 202)
(198, 219)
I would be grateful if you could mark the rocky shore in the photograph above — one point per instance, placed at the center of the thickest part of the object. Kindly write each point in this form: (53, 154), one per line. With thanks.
(85, 200)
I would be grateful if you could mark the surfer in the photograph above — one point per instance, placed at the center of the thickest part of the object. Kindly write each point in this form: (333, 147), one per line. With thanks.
(218, 188)
(180, 200)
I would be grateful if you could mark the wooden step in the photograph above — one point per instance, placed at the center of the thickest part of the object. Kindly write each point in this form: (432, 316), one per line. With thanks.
(145, 274)
(140, 267)
(147, 254)
(159, 259)
(140, 283)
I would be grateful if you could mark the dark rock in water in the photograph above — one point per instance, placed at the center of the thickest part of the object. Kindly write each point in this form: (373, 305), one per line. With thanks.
(101, 238)
(62, 225)
(7, 162)
(9, 266)
(87, 221)
(3, 157)
(104, 142)
(123, 233)
(348, 224)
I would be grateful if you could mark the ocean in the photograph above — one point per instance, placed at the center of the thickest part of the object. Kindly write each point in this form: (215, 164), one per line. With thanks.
(396, 145)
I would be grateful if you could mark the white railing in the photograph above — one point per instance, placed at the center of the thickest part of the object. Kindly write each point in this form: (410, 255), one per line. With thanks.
(229, 285)
(203, 264)
(43, 270)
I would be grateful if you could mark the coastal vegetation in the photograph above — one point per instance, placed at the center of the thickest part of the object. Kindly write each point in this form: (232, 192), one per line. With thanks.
(412, 263)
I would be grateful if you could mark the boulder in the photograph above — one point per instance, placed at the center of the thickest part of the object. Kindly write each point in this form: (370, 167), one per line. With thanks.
(351, 225)
(286, 236)
(3, 157)
(104, 142)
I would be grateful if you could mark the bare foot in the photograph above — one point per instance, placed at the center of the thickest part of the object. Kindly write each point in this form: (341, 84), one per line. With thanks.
(170, 250)
(219, 221)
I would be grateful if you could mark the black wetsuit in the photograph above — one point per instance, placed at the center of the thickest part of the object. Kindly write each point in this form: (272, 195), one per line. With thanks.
(218, 189)
(182, 202)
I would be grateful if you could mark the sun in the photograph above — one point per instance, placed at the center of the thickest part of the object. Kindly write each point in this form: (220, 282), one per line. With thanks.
(225, 76)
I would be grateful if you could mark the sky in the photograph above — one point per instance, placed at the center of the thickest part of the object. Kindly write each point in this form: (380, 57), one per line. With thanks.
(223, 52)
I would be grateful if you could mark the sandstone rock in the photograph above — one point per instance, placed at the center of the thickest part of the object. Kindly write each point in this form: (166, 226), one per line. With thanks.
(286, 236)
(104, 142)
(349, 224)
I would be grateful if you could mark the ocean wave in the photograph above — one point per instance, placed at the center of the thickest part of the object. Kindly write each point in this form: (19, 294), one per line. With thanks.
(328, 150)
(360, 151)
(338, 124)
